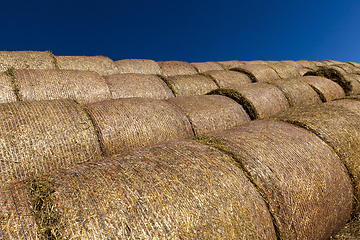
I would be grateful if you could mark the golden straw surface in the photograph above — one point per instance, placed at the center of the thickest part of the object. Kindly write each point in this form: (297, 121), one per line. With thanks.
(143, 66)
(307, 64)
(7, 93)
(173, 68)
(202, 67)
(231, 64)
(292, 63)
(284, 71)
(26, 60)
(350, 104)
(225, 78)
(258, 72)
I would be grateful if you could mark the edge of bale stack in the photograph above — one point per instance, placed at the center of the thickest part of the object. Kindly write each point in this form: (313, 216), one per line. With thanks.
(173, 68)
(142, 66)
(258, 72)
(202, 67)
(231, 64)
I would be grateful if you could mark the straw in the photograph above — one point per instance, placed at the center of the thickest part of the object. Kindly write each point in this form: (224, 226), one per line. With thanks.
(258, 72)
(202, 67)
(7, 93)
(307, 64)
(143, 66)
(350, 104)
(173, 68)
(231, 64)
(228, 78)
(283, 70)
(292, 63)
(26, 60)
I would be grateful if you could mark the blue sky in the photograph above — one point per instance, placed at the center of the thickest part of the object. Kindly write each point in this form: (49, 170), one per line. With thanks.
(192, 31)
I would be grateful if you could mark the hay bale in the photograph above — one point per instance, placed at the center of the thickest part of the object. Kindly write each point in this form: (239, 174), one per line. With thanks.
(231, 64)
(338, 127)
(202, 67)
(306, 186)
(258, 72)
(173, 68)
(138, 85)
(228, 78)
(327, 89)
(320, 64)
(351, 231)
(283, 71)
(350, 104)
(348, 68)
(307, 64)
(261, 62)
(259, 100)
(303, 71)
(297, 92)
(187, 85)
(143, 66)
(355, 84)
(177, 190)
(48, 84)
(7, 93)
(100, 64)
(43, 136)
(26, 60)
(355, 64)
(331, 62)
(292, 63)
(128, 123)
(211, 113)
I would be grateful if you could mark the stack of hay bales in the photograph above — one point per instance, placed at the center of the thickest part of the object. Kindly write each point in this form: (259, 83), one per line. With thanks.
(7, 93)
(284, 71)
(187, 85)
(142, 66)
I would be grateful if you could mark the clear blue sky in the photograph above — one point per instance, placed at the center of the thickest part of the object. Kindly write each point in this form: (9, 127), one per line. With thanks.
(187, 30)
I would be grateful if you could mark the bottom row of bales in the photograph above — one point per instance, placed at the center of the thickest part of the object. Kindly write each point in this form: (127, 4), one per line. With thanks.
(285, 177)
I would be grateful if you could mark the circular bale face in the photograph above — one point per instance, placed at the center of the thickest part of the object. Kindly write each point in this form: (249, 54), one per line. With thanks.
(228, 78)
(306, 186)
(7, 92)
(231, 64)
(211, 113)
(188, 85)
(259, 100)
(258, 72)
(128, 123)
(173, 68)
(327, 89)
(202, 67)
(82, 86)
(297, 92)
(44, 136)
(338, 127)
(26, 60)
(138, 85)
(177, 190)
(100, 64)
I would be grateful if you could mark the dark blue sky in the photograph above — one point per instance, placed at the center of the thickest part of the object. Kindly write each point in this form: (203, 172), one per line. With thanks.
(187, 30)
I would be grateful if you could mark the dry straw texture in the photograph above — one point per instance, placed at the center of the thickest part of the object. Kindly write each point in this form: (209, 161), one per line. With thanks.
(143, 66)
(297, 92)
(258, 72)
(307, 64)
(301, 178)
(303, 70)
(355, 64)
(338, 127)
(355, 84)
(228, 78)
(259, 100)
(127, 66)
(128, 123)
(231, 64)
(284, 71)
(255, 62)
(211, 113)
(331, 62)
(82, 86)
(7, 92)
(327, 89)
(202, 67)
(348, 68)
(26, 60)
(173, 68)
(42, 136)
(187, 85)
(292, 63)
(350, 104)
(320, 64)
(138, 85)
(100, 64)
(177, 190)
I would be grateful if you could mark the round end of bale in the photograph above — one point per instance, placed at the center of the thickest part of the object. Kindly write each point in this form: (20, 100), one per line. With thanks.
(173, 68)
(258, 72)
(7, 91)
(226, 78)
(231, 64)
(202, 67)
(26, 60)
(138, 85)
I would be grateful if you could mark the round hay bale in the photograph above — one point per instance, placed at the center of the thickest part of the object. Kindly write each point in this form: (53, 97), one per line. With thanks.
(228, 78)
(338, 127)
(258, 72)
(320, 64)
(126, 66)
(48, 84)
(138, 85)
(350, 231)
(173, 68)
(231, 64)
(307, 64)
(348, 68)
(331, 62)
(26, 60)
(143, 66)
(303, 71)
(7, 93)
(128, 123)
(259, 100)
(177, 190)
(355, 64)
(211, 113)
(187, 85)
(297, 92)
(100, 64)
(306, 186)
(43, 136)
(327, 89)
(202, 67)
(292, 63)
(283, 71)
(261, 62)
(338, 68)
(355, 84)
(350, 104)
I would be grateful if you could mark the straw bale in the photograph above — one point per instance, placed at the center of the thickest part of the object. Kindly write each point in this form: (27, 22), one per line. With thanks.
(355, 84)
(187, 85)
(173, 68)
(297, 92)
(138, 85)
(177, 190)
(284, 71)
(303, 70)
(351, 231)
(258, 72)
(338, 68)
(231, 64)
(306, 186)
(126, 66)
(292, 63)
(42, 136)
(128, 123)
(307, 64)
(338, 127)
(259, 100)
(255, 62)
(331, 62)
(26, 60)
(100, 64)
(7, 93)
(348, 68)
(355, 64)
(327, 89)
(143, 66)
(202, 67)
(48, 84)
(350, 104)
(227, 78)
(209, 113)
(320, 64)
